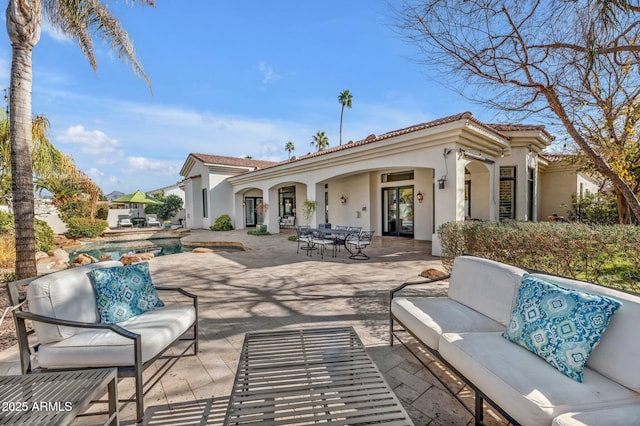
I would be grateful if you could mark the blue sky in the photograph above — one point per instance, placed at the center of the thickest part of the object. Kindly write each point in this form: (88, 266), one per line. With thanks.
(230, 78)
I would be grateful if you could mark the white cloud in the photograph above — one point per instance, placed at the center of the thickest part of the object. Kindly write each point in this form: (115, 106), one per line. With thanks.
(155, 167)
(101, 179)
(268, 75)
(91, 142)
(54, 33)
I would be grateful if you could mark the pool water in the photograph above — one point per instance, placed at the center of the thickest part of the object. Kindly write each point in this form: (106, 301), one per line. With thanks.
(116, 249)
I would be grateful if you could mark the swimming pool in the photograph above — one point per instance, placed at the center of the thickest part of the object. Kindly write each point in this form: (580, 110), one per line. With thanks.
(116, 249)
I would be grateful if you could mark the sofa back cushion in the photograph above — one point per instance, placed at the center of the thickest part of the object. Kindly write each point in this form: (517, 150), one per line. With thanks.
(65, 295)
(618, 353)
(485, 286)
(562, 325)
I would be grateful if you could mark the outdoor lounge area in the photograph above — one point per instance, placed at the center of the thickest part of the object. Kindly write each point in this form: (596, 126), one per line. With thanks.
(269, 289)
(267, 316)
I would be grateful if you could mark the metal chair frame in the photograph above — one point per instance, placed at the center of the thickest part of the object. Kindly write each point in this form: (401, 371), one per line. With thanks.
(359, 242)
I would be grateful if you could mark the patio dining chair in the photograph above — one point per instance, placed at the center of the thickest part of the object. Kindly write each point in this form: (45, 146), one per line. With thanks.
(319, 239)
(339, 238)
(304, 236)
(358, 242)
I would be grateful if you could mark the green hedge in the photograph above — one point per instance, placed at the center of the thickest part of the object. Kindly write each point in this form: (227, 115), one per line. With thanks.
(604, 254)
(45, 238)
(80, 227)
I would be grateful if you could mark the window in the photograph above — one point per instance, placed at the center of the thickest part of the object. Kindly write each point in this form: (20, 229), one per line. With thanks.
(530, 193)
(507, 207)
(205, 203)
(397, 176)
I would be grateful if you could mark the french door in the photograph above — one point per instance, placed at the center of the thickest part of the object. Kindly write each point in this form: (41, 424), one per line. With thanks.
(397, 211)
(251, 215)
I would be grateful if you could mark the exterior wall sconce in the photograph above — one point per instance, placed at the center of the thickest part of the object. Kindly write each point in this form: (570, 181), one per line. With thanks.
(441, 182)
(419, 197)
(244, 204)
(343, 199)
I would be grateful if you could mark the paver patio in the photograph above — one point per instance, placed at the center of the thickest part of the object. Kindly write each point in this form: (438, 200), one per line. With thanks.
(270, 287)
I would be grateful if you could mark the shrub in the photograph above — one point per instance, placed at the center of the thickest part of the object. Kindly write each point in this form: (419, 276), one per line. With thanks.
(7, 250)
(171, 205)
(80, 227)
(594, 208)
(222, 223)
(6, 222)
(72, 207)
(102, 212)
(604, 254)
(45, 238)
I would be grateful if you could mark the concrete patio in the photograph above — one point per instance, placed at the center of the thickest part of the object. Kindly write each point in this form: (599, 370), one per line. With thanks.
(271, 287)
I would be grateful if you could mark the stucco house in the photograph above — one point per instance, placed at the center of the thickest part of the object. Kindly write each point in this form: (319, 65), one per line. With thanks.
(406, 182)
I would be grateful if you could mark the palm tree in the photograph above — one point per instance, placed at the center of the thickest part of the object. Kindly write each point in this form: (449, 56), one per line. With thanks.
(344, 98)
(320, 141)
(289, 147)
(80, 21)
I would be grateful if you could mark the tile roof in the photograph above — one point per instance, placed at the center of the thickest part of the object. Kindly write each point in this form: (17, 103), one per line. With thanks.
(496, 128)
(374, 138)
(555, 158)
(233, 161)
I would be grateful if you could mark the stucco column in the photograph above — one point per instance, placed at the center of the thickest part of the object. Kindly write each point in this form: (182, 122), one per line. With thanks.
(238, 213)
(311, 196)
(271, 215)
(449, 201)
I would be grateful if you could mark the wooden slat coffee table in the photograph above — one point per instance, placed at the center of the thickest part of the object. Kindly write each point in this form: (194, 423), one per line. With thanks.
(311, 376)
(55, 398)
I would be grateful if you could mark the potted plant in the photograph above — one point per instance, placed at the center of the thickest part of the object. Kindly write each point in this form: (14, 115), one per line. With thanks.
(308, 209)
(261, 209)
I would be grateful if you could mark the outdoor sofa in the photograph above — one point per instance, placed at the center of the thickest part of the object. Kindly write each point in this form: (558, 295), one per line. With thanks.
(487, 300)
(69, 308)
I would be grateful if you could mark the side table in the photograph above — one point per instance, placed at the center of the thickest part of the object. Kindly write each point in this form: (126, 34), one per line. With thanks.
(55, 398)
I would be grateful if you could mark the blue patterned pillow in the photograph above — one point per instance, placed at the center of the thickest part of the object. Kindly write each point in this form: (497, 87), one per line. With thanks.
(123, 292)
(560, 325)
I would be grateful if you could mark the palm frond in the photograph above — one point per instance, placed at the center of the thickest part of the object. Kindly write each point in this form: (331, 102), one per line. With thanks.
(84, 19)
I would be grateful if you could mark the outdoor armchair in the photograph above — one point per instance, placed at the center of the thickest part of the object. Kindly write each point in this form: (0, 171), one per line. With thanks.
(69, 331)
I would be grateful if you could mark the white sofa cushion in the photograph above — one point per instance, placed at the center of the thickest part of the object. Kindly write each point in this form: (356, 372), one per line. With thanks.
(485, 286)
(428, 317)
(104, 348)
(617, 354)
(524, 385)
(64, 295)
(615, 416)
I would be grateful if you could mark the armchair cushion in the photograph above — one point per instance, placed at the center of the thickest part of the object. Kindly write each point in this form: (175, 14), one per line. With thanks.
(560, 325)
(105, 348)
(66, 295)
(123, 292)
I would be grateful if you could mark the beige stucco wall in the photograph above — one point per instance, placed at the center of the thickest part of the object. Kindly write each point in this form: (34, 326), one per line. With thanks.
(558, 184)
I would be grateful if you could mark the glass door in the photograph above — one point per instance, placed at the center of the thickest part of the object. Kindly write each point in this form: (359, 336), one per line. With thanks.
(397, 211)
(250, 212)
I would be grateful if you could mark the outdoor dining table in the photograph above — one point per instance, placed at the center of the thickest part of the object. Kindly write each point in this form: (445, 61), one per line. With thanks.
(140, 222)
(333, 232)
